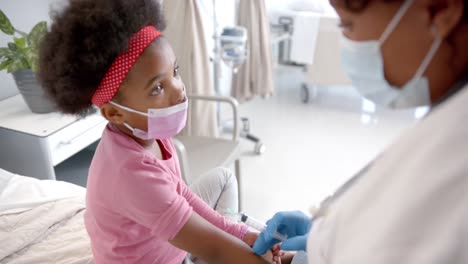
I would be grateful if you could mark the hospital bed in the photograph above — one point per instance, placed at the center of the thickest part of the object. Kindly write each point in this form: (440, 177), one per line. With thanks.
(309, 40)
(41, 221)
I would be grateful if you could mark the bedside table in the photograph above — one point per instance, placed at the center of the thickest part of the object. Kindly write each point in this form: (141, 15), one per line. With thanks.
(32, 144)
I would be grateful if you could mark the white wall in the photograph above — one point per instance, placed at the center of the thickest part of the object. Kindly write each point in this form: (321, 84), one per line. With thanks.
(311, 5)
(23, 14)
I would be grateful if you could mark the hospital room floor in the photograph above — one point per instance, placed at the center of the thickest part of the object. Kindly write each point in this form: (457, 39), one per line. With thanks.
(310, 148)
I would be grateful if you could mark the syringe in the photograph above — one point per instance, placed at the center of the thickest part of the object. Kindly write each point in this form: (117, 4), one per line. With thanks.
(259, 226)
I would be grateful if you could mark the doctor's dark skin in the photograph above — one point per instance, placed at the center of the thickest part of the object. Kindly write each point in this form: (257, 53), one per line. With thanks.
(406, 47)
(153, 82)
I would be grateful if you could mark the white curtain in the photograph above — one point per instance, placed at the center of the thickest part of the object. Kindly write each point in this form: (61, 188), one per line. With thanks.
(255, 76)
(187, 37)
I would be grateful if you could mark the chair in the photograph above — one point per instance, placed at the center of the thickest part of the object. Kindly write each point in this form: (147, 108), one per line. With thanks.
(198, 154)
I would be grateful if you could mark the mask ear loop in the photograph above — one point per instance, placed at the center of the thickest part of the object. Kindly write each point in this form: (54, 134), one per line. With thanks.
(427, 60)
(395, 20)
(129, 127)
(127, 109)
(130, 110)
(434, 30)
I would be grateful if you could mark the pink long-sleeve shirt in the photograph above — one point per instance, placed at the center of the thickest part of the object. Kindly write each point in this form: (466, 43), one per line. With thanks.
(136, 203)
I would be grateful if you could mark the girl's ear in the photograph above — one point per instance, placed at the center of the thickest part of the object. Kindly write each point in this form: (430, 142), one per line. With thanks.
(112, 114)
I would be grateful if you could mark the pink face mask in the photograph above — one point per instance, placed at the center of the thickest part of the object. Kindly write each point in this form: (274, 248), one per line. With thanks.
(163, 123)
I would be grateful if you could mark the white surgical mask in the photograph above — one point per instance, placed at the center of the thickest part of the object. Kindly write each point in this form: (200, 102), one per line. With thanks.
(363, 62)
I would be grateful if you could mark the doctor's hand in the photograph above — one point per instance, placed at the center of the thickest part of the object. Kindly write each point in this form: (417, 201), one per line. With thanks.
(295, 225)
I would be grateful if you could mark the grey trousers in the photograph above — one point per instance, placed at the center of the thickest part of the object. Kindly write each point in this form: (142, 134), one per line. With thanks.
(218, 188)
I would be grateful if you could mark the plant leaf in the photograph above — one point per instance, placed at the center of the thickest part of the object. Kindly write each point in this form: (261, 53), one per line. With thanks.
(35, 67)
(6, 52)
(5, 24)
(17, 64)
(33, 59)
(12, 46)
(28, 55)
(5, 64)
(34, 40)
(36, 34)
(20, 43)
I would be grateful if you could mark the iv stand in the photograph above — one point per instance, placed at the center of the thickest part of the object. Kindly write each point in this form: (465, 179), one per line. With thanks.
(245, 131)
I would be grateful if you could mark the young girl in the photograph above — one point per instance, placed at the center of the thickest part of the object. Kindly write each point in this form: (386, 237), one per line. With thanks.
(110, 54)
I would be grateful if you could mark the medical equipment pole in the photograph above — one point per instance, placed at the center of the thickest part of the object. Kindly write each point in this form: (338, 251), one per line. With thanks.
(216, 62)
(216, 59)
(245, 132)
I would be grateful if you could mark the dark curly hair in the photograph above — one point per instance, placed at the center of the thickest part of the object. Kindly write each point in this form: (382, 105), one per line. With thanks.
(85, 38)
(359, 5)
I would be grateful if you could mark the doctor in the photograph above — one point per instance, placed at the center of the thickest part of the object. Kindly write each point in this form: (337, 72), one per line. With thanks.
(410, 205)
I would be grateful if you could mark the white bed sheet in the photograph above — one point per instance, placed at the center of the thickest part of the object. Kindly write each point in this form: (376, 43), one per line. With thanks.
(20, 193)
(42, 222)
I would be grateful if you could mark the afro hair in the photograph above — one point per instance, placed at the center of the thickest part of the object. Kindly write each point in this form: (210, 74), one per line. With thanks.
(84, 40)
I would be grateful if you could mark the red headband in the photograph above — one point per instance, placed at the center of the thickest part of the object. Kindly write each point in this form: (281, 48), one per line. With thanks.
(123, 64)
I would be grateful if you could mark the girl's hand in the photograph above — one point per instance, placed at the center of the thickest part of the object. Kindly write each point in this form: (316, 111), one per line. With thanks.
(273, 255)
(250, 238)
(294, 224)
(287, 257)
(271, 258)
(276, 254)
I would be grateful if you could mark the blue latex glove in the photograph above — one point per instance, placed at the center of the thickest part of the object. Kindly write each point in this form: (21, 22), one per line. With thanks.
(294, 224)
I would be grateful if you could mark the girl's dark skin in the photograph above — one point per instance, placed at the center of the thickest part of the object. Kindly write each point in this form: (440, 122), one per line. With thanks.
(154, 82)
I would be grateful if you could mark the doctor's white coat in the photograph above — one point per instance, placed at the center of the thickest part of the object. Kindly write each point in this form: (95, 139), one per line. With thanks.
(411, 206)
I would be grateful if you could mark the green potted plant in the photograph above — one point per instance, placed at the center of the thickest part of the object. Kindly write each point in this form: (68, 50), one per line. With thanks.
(20, 58)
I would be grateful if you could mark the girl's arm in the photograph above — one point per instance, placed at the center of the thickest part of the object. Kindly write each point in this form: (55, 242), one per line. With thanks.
(212, 216)
(211, 244)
